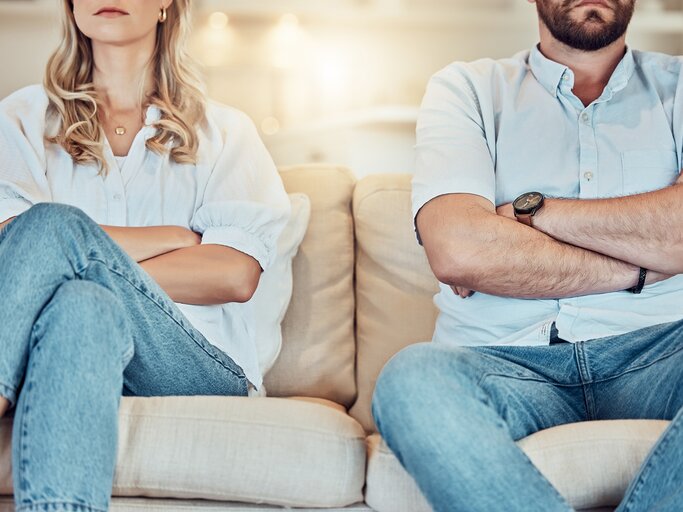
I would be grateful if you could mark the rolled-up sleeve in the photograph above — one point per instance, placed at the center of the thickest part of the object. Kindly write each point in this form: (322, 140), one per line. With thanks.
(22, 157)
(245, 205)
(452, 153)
(11, 205)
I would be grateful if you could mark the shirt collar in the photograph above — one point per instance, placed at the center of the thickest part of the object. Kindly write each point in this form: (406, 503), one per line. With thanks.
(152, 116)
(551, 75)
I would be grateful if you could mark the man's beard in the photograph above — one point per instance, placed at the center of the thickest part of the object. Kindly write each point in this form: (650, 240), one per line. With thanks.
(590, 34)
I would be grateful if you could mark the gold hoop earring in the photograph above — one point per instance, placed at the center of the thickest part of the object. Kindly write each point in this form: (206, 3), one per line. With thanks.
(162, 15)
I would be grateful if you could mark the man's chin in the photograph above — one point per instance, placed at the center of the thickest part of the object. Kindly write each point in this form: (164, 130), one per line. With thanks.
(591, 26)
(602, 16)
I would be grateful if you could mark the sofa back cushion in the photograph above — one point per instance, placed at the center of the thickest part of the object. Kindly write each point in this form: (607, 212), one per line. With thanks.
(394, 284)
(318, 349)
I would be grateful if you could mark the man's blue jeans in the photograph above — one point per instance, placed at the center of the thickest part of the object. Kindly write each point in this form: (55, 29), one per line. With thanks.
(81, 324)
(452, 415)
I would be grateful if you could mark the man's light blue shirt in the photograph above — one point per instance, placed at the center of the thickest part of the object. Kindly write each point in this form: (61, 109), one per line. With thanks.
(500, 128)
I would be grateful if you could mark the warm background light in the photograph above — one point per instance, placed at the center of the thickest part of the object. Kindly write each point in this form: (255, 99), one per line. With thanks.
(331, 80)
(218, 20)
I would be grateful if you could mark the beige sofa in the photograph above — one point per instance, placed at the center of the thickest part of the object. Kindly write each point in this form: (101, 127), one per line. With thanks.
(362, 291)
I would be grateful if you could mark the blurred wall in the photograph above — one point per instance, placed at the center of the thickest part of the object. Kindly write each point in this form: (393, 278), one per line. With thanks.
(340, 81)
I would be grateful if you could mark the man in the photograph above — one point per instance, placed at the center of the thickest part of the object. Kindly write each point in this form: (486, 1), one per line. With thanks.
(566, 306)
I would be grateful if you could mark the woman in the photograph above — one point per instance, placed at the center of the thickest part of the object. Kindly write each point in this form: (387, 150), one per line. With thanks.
(122, 192)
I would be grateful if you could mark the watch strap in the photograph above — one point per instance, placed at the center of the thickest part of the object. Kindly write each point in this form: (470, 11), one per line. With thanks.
(525, 219)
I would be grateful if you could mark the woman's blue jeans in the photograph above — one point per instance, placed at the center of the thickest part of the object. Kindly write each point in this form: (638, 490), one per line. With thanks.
(452, 415)
(81, 324)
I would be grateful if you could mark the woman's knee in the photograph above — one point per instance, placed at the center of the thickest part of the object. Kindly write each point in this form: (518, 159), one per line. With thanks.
(53, 216)
(49, 211)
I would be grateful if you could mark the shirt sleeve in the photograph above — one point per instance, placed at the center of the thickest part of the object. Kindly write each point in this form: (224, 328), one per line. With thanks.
(452, 153)
(22, 157)
(245, 205)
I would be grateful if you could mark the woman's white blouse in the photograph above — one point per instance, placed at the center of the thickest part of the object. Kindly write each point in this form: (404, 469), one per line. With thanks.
(233, 196)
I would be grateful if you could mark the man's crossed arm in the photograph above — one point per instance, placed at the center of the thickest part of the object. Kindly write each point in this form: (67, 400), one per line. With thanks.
(645, 229)
(577, 247)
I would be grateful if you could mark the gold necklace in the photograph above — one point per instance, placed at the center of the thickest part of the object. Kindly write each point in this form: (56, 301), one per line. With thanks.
(120, 130)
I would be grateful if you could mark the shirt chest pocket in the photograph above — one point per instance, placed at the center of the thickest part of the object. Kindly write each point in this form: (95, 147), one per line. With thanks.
(648, 170)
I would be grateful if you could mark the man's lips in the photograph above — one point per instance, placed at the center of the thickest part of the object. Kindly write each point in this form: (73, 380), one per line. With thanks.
(593, 3)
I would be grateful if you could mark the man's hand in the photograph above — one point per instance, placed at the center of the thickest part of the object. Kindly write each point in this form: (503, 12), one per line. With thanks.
(506, 210)
(463, 292)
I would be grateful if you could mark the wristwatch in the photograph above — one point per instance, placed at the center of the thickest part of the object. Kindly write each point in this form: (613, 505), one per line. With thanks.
(527, 205)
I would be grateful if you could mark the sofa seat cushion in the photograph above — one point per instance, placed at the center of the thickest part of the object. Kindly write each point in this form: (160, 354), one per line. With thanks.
(591, 464)
(255, 450)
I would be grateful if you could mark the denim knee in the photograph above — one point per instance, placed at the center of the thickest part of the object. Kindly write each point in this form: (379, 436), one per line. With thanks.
(95, 314)
(421, 371)
(54, 215)
(53, 228)
(57, 211)
(403, 371)
(405, 375)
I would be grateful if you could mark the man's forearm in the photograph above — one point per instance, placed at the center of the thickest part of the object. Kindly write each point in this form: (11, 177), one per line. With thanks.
(645, 230)
(205, 274)
(142, 243)
(531, 265)
(471, 247)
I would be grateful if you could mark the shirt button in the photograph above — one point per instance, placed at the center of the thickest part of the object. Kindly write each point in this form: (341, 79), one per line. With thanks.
(117, 197)
(565, 77)
(585, 117)
(588, 175)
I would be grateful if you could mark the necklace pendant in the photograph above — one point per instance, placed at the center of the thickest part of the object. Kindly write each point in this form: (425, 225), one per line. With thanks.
(120, 130)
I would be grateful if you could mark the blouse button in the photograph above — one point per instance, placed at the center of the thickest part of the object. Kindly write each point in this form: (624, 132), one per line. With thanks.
(117, 197)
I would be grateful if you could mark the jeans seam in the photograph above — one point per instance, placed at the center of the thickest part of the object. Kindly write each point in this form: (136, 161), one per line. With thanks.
(531, 379)
(584, 375)
(162, 308)
(642, 476)
(22, 469)
(78, 506)
(641, 367)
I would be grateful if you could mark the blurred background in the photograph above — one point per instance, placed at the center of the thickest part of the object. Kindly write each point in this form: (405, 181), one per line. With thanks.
(337, 81)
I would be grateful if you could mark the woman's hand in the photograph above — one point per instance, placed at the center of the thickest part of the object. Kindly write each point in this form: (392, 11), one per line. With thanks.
(3, 224)
(188, 238)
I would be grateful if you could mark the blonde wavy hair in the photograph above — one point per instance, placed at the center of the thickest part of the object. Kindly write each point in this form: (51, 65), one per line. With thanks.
(177, 91)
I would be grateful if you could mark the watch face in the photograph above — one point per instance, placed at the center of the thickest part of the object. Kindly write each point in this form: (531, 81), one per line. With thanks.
(527, 203)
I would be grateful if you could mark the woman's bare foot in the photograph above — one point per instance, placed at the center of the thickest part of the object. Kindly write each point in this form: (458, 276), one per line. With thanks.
(4, 405)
